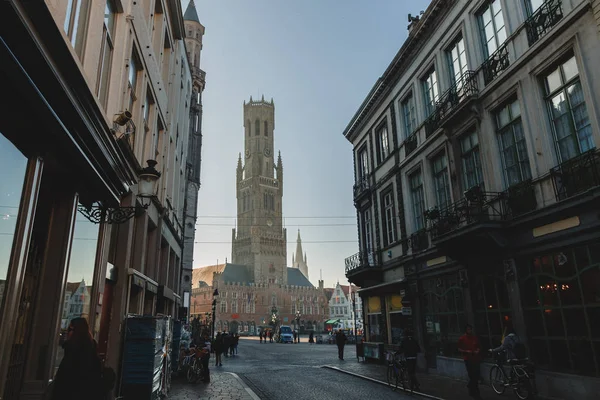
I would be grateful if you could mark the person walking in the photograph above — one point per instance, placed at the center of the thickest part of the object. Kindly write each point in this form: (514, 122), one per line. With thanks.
(311, 338)
(235, 343)
(80, 371)
(205, 357)
(295, 336)
(270, 336)
(515, 349)
(410, 347)
(218, 349)
(468, 345)
(260, 335)
(340, 340)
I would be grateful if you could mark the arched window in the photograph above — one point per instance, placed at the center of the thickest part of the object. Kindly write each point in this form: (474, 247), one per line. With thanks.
(266, 133)
(257, 128)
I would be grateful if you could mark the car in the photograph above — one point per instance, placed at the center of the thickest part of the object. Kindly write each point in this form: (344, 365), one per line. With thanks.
(285, 334)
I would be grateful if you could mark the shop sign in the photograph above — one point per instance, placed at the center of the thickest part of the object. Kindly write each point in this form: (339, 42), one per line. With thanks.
(137, 281)
(285, 319)
(406, 310)
(235, 316)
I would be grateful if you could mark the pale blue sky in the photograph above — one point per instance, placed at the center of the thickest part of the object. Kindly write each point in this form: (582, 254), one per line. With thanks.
(317, 59)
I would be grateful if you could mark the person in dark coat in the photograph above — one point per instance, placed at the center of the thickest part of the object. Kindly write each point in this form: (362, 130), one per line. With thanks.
(311, 338)
(340, 340)
(80, 371)
(218, 349)
(410, 347)
(226, 343)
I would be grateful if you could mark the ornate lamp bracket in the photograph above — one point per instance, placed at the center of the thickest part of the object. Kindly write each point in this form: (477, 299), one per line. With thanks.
(108, 215)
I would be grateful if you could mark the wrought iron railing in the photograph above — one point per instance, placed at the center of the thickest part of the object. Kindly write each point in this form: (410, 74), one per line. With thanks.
(495, 64)
(360, 260)
(363, 185)
(520, 198)
(543, 19)
(419, 240)
(410, 144)
(464, 88)
(477, 206)
(576, 175)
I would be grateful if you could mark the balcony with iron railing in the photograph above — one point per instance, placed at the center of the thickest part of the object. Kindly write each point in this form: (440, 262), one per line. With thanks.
(363, 266)
(543, 19)
(362, 186)
(452, 100)
(495, 64)
(576, 175)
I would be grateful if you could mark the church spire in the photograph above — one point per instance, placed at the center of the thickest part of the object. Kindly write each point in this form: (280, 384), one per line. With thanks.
(190, 12)
(299, 258)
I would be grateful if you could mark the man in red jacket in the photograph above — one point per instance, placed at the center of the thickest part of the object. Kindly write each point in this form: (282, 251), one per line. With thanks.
(468, 345)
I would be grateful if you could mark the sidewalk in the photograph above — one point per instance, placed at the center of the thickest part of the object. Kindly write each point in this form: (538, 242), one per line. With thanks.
(222, 386)
(431, 384)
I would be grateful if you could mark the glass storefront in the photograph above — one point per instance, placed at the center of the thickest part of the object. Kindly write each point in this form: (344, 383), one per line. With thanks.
(77, 301)
(560, 292)
(491, 307)
(443, 310)
(376, 331)
(13, 165)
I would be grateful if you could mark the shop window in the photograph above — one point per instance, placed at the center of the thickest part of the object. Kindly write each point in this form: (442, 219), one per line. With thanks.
(568, 301)
(12, 174)
(444, 315)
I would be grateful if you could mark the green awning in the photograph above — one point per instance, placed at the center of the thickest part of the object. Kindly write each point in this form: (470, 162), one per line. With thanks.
(332, 321)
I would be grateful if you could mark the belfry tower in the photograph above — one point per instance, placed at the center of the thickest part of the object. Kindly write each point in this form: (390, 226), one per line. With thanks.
(260, 239)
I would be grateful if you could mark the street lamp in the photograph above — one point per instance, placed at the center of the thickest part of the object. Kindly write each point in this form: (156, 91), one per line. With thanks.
(214, 312)
(298, 315)
(353, 294)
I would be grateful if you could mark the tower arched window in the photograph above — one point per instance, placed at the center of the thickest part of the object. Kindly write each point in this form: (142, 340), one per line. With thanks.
(257, 128)
(266, 133)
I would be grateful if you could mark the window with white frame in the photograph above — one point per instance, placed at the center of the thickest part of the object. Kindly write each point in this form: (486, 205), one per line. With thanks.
(234, 307)
(75, 17)
(431, 91)
(363, 163)
(408, 115)
(441, 182)
(366, 231)
(533, 5)
(418, 199)
(223, 307)
(457, 61)
(383, 145)
(568, 111)
(471, 163)
(132, 79)
(106, 50)
(388, 217)
(513, 148)
(491, 26)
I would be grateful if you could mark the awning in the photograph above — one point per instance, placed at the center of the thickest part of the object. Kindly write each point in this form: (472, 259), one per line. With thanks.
(386, 285)
(332, 321)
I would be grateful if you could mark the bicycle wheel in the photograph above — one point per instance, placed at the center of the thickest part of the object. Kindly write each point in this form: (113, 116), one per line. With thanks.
(390, 374)
(402, 376)
(523, 389)
(498, 379)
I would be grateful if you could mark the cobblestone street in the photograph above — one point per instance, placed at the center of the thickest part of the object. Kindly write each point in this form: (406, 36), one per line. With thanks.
(223, 386)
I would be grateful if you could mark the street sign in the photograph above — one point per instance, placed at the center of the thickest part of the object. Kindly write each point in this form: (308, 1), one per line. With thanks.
(406, 310)
(402, 292)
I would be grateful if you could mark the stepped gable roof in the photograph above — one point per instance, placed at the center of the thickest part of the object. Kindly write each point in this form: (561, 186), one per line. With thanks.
(296, 277)
(205, 274)
(237, 273)
(190, 12)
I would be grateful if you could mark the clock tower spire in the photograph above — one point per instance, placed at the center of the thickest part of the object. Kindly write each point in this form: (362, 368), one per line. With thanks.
(260, 239)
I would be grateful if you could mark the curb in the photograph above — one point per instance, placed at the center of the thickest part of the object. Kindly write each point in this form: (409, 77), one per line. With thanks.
(425, 395)
(246, 387)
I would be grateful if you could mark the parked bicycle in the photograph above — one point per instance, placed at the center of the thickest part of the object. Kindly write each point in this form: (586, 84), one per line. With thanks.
(521, 376)
(397, 371)
(192, 366)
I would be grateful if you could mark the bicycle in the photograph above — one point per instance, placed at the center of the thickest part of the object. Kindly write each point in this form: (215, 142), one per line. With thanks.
(521, 379)
(397, 371)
